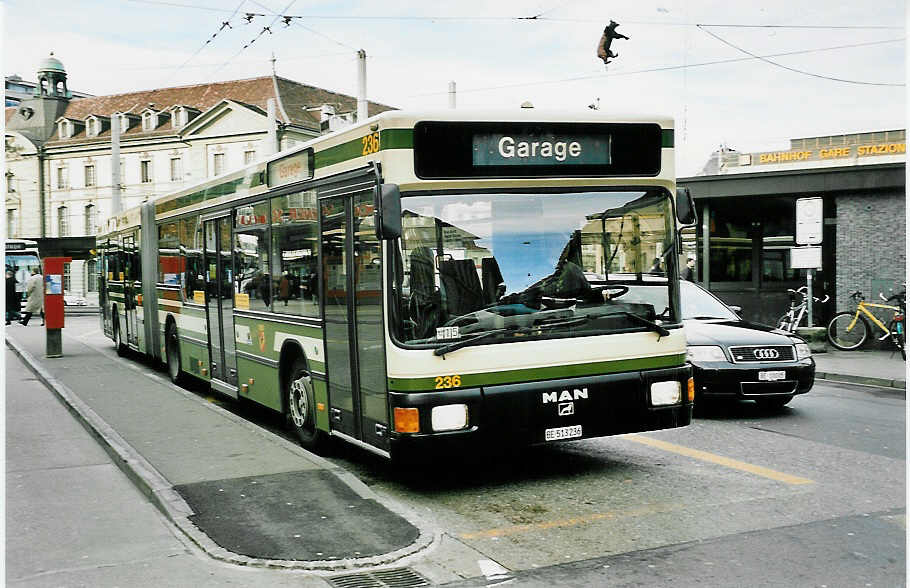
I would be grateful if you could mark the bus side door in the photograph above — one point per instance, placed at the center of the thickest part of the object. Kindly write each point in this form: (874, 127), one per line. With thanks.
(354, 341)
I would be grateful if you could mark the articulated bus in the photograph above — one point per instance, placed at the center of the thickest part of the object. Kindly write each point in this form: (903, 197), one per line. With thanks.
(424, 281)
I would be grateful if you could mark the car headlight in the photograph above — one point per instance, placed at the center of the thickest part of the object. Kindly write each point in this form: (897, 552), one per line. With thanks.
(705, 353)
(803, 351)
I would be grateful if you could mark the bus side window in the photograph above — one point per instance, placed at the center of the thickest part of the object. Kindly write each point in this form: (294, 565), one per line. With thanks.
(294, 254)
(190, 247)
(251, 246)
(169, 259)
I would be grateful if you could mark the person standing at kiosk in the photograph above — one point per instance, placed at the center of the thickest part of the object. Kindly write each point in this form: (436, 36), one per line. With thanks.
(34, 292)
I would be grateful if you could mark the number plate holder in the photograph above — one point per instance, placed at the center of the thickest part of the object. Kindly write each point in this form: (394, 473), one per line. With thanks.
(772, 376)
(559, 433)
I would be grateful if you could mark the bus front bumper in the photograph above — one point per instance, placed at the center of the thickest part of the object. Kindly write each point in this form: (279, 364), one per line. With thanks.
(534, 413)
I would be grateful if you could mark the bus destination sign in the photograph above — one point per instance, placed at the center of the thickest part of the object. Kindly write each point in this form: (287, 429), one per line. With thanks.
(544, 149)
(469, 149)
(291, 169)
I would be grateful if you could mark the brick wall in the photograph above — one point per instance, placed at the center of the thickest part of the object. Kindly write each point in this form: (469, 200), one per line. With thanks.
(871, 246)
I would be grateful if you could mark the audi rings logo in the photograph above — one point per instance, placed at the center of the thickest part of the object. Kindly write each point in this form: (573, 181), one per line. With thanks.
(767, 353)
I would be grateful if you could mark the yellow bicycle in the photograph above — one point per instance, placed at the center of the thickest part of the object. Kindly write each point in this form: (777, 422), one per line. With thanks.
(850, 329)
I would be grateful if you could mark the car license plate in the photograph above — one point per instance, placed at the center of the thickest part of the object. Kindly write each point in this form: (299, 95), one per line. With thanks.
(562, 433)
(772, 376)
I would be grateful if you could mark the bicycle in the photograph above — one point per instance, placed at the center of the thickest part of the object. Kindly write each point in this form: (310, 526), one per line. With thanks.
(849, 330)
(797, 311)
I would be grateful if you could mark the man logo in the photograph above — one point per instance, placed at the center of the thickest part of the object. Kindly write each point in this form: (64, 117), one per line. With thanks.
(566, 408)
(565, 395)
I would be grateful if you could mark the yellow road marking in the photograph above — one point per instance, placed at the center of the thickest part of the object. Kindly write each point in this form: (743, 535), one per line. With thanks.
(720, 460)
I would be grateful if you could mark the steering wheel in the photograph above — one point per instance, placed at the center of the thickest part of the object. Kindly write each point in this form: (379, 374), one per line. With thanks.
(611, 292)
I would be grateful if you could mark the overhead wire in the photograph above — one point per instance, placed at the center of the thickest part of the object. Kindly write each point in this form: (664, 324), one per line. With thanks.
(224, 24)
(662, 68)
(263, 31)
(538, 17)
(793, 69)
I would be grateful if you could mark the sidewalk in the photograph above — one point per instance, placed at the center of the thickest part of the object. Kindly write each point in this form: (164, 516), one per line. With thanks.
(242, 495)
(873, 367)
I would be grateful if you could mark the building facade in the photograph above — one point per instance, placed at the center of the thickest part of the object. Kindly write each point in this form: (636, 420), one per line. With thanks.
(59, 150)
(747, 221)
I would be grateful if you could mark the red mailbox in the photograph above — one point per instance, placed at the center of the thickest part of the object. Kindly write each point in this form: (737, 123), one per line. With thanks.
(53, 291)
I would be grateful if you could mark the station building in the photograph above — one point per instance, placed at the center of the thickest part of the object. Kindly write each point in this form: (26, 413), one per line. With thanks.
(746, 205)
(58, 144)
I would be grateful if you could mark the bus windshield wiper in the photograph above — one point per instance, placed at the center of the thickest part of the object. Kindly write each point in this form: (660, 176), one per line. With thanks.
(470, 341)
(550, 323)
(661, 332)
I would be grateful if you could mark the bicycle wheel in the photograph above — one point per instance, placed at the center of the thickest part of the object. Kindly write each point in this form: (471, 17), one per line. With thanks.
(896, 328)
(783, 323)
(847, 331)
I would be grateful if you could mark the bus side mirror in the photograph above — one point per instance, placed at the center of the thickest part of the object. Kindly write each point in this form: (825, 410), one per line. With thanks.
(388, 212)
(685, 206)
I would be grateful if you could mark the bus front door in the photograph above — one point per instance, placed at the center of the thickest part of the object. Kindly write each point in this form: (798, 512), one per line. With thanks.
(354, 341)
(219, 305)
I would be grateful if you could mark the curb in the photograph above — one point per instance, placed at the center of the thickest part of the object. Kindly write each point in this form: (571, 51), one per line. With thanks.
(151, 483)
(899, 386)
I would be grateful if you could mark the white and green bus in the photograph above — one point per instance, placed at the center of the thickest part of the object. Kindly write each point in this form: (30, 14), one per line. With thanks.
(424, 281)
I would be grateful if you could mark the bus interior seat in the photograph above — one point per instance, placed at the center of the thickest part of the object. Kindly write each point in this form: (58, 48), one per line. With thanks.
(462, 286)
(423, 304)
(493, 285)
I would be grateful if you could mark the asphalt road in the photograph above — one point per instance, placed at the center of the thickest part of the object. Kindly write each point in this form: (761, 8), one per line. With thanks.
(812, 494)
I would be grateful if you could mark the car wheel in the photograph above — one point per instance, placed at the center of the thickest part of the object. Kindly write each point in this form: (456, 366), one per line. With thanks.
(301, 413)
(774, 401)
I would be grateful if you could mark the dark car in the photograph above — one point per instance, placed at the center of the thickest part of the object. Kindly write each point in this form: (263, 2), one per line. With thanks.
(733, 358)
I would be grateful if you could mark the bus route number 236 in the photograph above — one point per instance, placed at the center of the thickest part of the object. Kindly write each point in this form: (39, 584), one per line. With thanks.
(370, 144)
(446, 382)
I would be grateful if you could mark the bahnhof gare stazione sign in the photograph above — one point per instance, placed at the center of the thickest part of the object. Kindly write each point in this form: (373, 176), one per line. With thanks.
(830, 153)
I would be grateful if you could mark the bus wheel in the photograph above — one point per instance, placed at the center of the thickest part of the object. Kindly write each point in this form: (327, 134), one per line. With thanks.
(302, 407)
(172, 354)
(118, 339)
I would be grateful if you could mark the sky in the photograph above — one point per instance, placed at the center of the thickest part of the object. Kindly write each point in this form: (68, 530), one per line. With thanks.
(747, 75)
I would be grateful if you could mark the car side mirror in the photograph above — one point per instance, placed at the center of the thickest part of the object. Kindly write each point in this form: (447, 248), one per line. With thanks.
(387, 201)
(735, 308)
(685, 206)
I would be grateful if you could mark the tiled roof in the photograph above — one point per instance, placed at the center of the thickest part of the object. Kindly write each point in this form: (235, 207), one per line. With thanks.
(253, 92)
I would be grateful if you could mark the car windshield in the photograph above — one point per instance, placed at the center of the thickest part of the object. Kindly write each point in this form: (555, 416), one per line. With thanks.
(22, 265)
(543, 265)
(697, 303)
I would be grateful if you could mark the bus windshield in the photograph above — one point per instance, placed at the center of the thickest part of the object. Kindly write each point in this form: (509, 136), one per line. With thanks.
(485, 268)
(22, 264)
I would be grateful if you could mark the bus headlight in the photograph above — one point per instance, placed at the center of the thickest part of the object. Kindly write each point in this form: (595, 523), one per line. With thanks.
(705, 353)
(449, 417)
(663, 393)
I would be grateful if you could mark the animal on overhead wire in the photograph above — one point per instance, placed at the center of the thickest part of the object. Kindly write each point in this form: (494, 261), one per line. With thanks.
(606, 40)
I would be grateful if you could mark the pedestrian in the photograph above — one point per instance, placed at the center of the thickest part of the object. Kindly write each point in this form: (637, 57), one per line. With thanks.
(655, 267)
(13, 302)
(34, 296)
(688, 272)
(284, 288)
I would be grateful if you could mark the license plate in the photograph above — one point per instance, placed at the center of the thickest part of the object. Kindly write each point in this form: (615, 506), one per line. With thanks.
(562, 433)
(772, 376)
